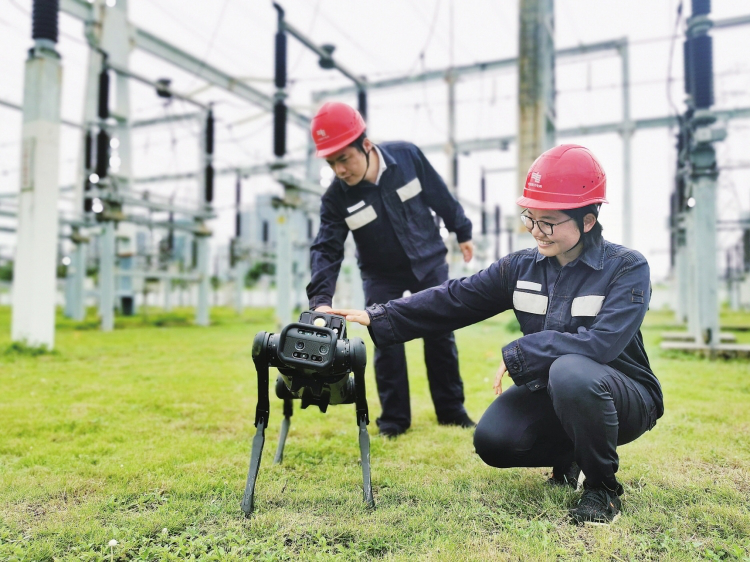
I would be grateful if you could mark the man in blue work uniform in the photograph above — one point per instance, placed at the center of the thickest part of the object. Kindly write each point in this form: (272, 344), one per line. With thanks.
(385, 196)
(583, 383)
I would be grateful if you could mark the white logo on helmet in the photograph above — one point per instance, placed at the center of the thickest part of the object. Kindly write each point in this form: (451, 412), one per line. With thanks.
(536, 177)
(321, 133)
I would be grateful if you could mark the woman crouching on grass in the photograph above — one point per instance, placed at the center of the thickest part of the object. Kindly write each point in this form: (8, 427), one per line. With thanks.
(583, 384)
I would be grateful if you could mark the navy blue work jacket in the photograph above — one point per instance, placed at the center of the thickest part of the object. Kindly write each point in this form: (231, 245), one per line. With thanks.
(592, 306)
(392, 224)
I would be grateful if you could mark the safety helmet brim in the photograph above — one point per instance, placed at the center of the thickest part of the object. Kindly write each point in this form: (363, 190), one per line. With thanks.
(339, 145)
(529, 203)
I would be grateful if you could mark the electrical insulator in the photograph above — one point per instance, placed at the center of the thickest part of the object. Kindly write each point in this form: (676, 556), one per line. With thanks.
(280, 71)
(88, 151)
(102, 153)
(362, 103)
(279, 129)
(44, 19)
(210, 133)
(700, 67)
(104, 94)
(209, 194)
(701, 7)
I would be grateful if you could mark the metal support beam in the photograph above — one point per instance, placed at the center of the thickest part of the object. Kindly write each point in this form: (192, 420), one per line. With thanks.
(466, 70)
(148, 42)
(160, 48)
(243, 171)
(165, 120)
(498, 64)
(324, 55)
(502, 143)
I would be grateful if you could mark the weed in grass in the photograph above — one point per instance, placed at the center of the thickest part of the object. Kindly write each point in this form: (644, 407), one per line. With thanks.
(22, 349)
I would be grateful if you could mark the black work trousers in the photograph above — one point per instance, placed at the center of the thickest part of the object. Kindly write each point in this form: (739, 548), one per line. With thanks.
(587, 411)
(440, 356)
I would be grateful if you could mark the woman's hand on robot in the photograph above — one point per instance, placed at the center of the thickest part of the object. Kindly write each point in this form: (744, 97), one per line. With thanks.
(352, 315)
(501, 370)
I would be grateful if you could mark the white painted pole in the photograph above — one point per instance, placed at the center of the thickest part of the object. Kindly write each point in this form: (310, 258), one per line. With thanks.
(201, 311)
(34, 286)
(107, 276)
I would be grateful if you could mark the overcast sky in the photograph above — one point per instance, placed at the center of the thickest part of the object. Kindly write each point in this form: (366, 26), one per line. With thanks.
(395, 38)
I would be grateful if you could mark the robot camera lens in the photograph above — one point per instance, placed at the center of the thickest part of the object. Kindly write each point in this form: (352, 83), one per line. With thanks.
(300, 345)
(323, 349)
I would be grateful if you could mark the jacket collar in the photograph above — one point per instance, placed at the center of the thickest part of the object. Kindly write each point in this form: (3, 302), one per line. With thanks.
(593, 256)
(387, 158)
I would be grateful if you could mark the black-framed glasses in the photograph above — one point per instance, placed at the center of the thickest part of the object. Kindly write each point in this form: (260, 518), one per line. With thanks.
(544, 226)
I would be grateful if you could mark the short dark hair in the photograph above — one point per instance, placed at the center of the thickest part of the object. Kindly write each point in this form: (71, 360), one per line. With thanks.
(592, 236)
(359, 142)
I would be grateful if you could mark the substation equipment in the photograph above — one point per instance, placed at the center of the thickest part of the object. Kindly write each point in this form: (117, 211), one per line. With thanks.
(106, 32)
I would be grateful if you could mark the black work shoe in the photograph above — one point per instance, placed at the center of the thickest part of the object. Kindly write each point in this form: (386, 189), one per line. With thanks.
(461, 420)
(391, 431)
(597, 506)
(565, 476)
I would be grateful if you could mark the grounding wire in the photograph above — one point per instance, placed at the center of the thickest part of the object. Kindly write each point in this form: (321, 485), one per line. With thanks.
(198, 74)
(309, 32)
(194, 32)
(430, 33)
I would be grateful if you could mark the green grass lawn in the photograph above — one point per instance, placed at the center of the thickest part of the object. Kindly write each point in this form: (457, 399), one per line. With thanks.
(143, 435)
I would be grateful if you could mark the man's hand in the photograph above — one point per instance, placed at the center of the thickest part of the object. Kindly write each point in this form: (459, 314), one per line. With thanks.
(467, 249)
(501, 370)
(323, 308)
(358, 316)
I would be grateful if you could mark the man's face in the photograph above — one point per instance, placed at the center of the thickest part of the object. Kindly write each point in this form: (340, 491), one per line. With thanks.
(349, 165)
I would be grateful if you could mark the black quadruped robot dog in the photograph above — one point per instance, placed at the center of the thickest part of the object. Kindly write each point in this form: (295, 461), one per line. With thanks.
(319, 366)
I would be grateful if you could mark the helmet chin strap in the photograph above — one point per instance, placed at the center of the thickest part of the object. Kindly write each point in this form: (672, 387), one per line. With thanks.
(367, 158)
(580, 239)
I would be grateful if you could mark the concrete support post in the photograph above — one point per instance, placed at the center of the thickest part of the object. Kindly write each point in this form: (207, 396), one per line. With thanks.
(454, 255)
(35, 282)
(682, 275)
(240, 272)
(167, 288)
(706, 272)
(204, 271)
(536, 84)
(283, 268)
(76, 280)
(107, 276)
(627, 136)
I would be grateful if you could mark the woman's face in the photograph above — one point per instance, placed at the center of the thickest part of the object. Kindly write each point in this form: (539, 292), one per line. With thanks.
(563, 243)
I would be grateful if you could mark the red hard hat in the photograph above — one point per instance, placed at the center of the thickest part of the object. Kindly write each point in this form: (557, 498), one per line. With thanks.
(335, 126)
(565, 177)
